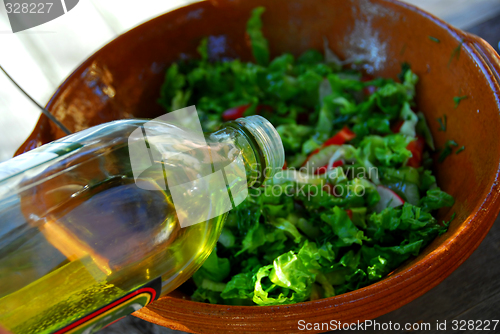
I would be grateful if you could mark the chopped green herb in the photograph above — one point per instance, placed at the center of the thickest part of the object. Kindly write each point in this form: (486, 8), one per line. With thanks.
(460, 149)
(434, 39)
(457, 100)
(447, 150)
(423, 129)
(442, 123)
(404, 68)
(446, 224)
(403, 49)
(456, 52)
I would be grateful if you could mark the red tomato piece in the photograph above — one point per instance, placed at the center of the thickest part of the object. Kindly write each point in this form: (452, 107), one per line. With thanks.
(340, 137)
(321, 170)
(416, 148)
(233, 113)
(337, 164)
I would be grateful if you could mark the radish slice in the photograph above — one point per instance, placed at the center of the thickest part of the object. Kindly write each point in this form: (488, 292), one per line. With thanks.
(388, 199)
(337, 156)
(325, 168)
(320, 158)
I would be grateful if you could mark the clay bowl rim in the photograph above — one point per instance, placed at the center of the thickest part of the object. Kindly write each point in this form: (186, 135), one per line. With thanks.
(453, 251)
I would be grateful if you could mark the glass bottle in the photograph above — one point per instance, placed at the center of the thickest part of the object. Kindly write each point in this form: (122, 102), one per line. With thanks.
(97, 224)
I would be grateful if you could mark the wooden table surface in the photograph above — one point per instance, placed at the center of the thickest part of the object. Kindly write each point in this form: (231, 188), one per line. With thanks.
(472, 292)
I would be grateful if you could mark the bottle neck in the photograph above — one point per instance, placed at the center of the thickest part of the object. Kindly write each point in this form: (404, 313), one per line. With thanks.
(259, 144)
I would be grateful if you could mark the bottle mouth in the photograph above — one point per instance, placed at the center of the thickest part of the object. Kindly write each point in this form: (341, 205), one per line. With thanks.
(269, 142)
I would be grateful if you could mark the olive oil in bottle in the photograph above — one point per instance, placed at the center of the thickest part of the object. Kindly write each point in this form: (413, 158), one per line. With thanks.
(91, 231)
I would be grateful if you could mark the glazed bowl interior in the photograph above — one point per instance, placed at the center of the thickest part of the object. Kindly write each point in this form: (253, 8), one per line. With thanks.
(123, 80)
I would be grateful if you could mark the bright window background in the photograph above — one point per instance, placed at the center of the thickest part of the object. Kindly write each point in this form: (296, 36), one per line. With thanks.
(40, 58)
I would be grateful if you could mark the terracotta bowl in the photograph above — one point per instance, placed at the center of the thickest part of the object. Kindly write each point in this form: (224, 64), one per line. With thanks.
(122, 80)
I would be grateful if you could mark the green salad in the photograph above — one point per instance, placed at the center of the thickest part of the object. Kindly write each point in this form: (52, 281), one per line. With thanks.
(357, 190)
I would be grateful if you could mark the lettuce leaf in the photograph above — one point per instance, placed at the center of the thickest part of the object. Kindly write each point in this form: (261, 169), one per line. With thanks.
(343, 228)
(260, 46)
(436, 199)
